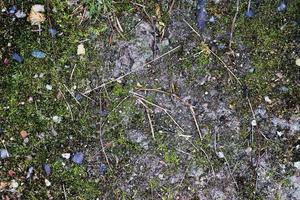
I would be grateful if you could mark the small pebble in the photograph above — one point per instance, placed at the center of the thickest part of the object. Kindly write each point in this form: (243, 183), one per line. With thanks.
(254, 123)
(20, 14)
(248, 150)
(298, 61)
(220, 154)
(49, 87)
(29, 173)
(38, 54)
(56, 119)
(279, 133)
(52, 32)
(297, 164)
(102, 169)
(13, 9)
(66, 155)
(14, 184)
(283, 89)
(282, 6)
(47, 169)
(47, 183)
(252, 70)
(80, 50)
(212, 19)
(268, 100)
(38, 8)
(26, 140)
(17, 57)
(4, 153)
(78, 158)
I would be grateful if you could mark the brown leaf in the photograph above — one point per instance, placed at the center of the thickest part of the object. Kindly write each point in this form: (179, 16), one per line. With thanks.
(3, 185)
(24, 134)
(36, 18)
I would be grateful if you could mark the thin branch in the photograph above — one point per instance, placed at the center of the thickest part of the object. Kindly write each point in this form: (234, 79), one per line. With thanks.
(233, 23)
(71, 76)
(185, 103)
(142, 98)
(71, 94)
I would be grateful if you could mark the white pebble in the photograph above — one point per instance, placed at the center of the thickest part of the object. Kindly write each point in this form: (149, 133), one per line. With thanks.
(220, 154)
(268, 100)
(14, 184)
(49, 87)
(279, 133)
(47, 183)
(80, 50)
(298, 61)
(38, 8)
(254, 123)
(56, 119)
(20, 14)
(66, 155)
(297, 164)
(4, 153)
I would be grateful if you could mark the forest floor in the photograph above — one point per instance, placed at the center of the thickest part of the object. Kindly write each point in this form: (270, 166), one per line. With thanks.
(128, 100)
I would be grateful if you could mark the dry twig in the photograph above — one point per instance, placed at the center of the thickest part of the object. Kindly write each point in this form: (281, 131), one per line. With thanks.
(233, 23)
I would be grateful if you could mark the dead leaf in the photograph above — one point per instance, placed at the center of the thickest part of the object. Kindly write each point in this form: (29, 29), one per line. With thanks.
(24, 134)
(3, 185)
(157, 11)
(80, 50)
(36, 18)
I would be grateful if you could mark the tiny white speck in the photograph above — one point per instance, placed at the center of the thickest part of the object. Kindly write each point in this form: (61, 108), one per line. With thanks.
(49, 87)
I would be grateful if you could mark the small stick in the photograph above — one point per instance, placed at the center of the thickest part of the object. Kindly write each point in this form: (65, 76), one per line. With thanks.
(71, 94)
(101, 132)
(149, 117)
(155, 105)
(71, 76)
(195, 120)
(233, 22)
(131, 72)
(171, 7)
(150, 123)
(68, 105)
(185, 103)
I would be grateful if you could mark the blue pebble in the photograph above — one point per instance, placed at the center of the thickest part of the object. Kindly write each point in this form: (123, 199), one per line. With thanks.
(38, 54)
(249, 13)
(102, 169)
(212, 19)
(29, 173)
(17, 57)
(52, 32)
(47, 169)
(201, 15)
(221, 46)
(13, 9)
(78, 158)
(282, 6)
